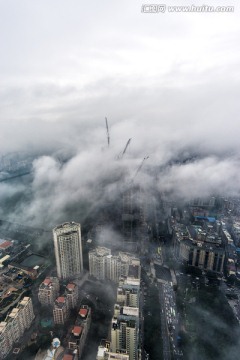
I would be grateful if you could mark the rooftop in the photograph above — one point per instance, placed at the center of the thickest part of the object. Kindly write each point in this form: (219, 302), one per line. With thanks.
(61, 299)
(127, 310)
(68, 357)
(83, 312)
(71, 286)
(24, 301)
(77, 330)
(5, 244)
(208, 218)
(47, 281)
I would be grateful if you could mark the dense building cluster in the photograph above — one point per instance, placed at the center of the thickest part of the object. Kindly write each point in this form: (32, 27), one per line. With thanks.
(64, 303)
(200, 245)
(124, 338)
(199, 240)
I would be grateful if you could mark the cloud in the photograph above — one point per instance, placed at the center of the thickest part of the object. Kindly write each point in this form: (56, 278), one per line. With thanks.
(202, 178)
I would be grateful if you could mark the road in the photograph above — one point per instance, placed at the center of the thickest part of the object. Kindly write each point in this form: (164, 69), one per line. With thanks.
(164, 327)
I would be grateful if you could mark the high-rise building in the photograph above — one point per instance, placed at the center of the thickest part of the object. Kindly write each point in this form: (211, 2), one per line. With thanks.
(98, 262)
(77, 335)
(68, 249)
(64, 303)
(60, 310)
(48, 291)
(19, 319)
(199, 246)
(103, 265)
(128, 295)
(71, 293)
(104, 352)
(124, 332)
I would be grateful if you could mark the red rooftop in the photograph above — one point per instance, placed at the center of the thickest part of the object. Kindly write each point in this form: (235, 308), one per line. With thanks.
(68, 357)
(77, 330)
(83, 312)
(61, 299)
(71, 286)
(47, 281)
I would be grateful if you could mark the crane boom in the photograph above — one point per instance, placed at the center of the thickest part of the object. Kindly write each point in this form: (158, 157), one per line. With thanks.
(108, 136)
(121, 154)
(140, 166)
(127, 144)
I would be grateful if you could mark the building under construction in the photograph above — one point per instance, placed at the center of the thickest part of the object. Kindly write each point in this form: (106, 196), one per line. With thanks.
(133, 216)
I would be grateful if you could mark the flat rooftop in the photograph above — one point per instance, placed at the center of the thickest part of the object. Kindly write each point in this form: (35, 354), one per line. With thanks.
(33, 260)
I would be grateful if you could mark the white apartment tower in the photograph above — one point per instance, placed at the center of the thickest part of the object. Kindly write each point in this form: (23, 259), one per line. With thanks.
(19, 319)
(103, 265)
(98, 262)
(68, 249)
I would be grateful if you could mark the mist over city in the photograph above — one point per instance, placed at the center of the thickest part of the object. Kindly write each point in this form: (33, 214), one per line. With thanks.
(119, 180)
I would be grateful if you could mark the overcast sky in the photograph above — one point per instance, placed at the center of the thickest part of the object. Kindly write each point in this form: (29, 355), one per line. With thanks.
(169, 81)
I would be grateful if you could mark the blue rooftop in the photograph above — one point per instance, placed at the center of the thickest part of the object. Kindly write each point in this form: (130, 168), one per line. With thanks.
(208, 218)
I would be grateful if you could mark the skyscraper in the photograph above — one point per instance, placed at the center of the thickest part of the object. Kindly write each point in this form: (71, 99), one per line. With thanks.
(68, 249)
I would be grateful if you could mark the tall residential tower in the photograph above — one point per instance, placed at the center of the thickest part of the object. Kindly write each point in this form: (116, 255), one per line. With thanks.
(68, 249)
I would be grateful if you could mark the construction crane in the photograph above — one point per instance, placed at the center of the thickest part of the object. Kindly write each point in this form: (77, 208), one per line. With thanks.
(108, 136)
(125, 149)
(120, 156)
(140, 167)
